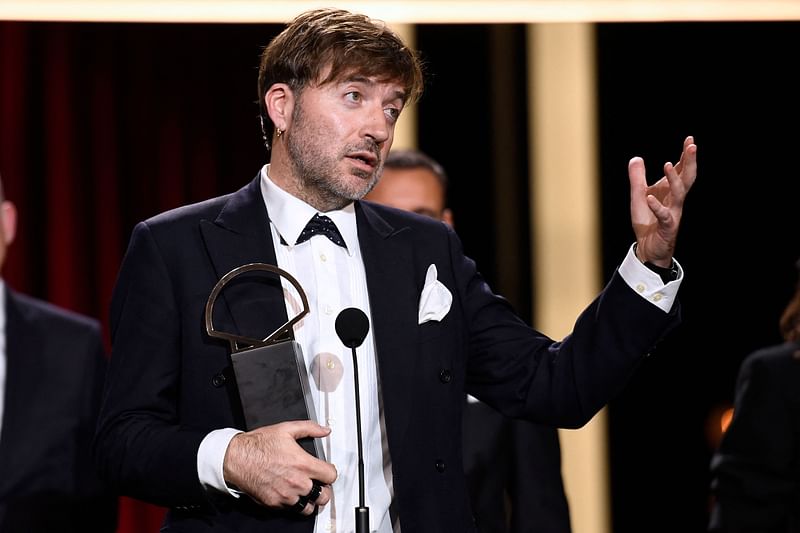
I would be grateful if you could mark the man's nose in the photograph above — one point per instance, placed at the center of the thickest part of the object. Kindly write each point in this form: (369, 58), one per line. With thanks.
(376, 125)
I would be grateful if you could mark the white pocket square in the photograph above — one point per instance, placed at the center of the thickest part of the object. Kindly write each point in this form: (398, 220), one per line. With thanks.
(434, 303)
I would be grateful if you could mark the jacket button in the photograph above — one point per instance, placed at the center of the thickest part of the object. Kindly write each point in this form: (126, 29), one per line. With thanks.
(440, 466)
(218, 380)
(445, 376)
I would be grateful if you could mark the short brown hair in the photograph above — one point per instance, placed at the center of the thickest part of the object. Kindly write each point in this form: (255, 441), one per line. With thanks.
(790, 318)
(407, 158)
(346, 43)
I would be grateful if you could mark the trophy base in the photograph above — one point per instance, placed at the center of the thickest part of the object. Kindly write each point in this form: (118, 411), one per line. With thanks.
(273, 387)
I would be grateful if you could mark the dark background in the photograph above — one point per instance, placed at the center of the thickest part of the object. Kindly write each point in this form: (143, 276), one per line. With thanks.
(102, 125)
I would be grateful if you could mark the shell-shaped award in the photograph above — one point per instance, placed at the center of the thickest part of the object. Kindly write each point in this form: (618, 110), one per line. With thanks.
(270, 373)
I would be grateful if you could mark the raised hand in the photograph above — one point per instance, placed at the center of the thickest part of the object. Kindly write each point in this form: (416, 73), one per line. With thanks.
(656, 209)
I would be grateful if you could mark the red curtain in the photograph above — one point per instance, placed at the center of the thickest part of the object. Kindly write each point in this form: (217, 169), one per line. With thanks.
(103, 125)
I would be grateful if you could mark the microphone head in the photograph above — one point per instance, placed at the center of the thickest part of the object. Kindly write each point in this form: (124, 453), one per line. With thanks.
(352, 326)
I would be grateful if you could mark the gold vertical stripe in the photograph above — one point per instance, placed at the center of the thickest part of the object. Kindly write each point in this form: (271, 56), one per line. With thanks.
(405, 132)
(566, 256)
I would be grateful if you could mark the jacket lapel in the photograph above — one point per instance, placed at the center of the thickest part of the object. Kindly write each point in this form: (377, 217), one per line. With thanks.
(251, 305)
(393, 298)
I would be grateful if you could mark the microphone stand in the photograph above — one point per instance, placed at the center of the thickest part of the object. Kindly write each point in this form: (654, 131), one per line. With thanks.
(352, 326)
(362, 511)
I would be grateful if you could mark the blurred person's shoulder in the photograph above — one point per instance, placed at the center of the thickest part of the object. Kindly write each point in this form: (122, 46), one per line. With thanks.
(401, 217)
(34, 308)
(776, 362)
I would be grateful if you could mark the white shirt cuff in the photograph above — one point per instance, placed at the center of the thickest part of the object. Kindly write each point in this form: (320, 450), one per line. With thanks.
(210, 459)
(648, 284)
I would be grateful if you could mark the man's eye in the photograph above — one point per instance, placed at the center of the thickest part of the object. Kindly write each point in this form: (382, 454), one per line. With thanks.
(354, 96)
(392, 112)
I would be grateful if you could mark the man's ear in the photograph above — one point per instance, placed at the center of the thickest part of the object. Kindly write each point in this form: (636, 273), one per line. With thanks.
(447, 217)
(279, 103)
(8, 220)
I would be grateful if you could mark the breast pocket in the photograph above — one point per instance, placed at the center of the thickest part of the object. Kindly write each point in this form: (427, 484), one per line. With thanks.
(431, 331)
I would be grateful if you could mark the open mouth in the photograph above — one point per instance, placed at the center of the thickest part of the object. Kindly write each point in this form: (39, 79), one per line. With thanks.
(366, 160)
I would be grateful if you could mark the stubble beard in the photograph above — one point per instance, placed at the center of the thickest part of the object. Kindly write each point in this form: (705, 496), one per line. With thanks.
(318, 180)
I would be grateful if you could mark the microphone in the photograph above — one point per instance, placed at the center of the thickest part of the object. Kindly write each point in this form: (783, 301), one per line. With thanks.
(352, 326)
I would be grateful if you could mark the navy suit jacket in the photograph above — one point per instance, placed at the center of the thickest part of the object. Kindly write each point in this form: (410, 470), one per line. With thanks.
(55, 370)
(170, 384)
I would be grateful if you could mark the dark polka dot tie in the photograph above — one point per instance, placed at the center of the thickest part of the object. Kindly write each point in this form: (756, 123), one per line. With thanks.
(321, 225)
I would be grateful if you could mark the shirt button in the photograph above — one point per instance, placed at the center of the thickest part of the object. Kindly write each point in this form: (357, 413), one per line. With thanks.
(440, 466)
(323, 257)
(640, 287)
(328, 310)
(657, 297)
(331, 364)
(445, 376)
(330, 422)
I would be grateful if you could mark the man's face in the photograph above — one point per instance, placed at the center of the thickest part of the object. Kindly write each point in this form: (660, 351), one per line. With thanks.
(8, 227)
(339, 136)
(412, 189)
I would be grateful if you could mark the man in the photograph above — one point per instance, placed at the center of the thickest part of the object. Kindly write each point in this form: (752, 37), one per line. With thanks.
(506, 461)
(756, 470)
(52, 368)
(332, 86)
(413, 181)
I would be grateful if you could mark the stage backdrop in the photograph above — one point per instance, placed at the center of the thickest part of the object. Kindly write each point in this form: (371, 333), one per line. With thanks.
(102, 125)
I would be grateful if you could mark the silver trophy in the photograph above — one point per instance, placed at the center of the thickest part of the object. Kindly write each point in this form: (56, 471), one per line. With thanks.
(270, 373)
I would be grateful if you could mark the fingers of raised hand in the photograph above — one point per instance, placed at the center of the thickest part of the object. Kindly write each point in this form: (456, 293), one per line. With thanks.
(689, 170)
(677, 188)
(636, 174)
(687, 165)
(681, 177)
(659, 210)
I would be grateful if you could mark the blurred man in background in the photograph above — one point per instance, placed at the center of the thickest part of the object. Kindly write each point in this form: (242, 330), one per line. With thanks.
(756, 470)
(52, 367)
